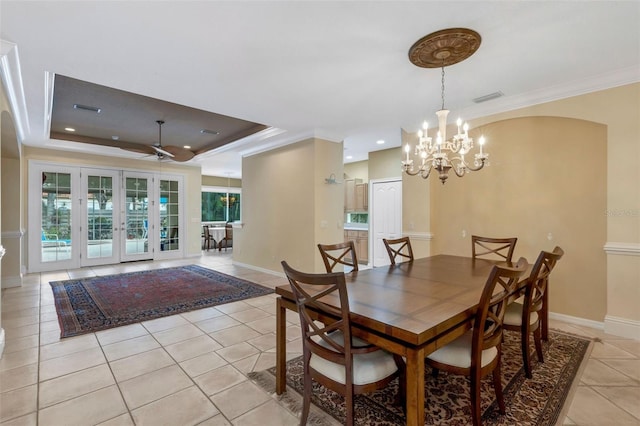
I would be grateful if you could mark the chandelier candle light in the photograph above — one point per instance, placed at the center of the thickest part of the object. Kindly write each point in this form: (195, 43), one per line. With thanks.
(440, 49)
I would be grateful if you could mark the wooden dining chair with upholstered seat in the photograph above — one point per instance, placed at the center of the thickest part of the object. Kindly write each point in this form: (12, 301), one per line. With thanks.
(332, 356)
(207, 238)
(478, 352)
(526, 317)
(399, 248)
(493, 247)
(339, 254)
(228, 237)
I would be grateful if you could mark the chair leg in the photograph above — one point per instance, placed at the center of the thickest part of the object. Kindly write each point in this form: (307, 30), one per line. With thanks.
(524, 340)
(306, 398)
(497, 386)
(537, 338)
(348, 400)
(476, 412)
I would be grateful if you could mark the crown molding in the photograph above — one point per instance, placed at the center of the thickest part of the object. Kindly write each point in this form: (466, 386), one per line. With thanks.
(12, 79)
(609, 80)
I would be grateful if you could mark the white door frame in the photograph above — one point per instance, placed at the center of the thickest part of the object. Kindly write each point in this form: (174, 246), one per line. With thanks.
(78, 210)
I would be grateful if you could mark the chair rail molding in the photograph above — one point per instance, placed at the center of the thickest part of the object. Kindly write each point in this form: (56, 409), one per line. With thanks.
(424, 236)
(624, 249)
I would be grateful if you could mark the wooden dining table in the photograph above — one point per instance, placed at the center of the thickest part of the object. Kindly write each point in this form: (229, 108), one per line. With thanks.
(410, 309)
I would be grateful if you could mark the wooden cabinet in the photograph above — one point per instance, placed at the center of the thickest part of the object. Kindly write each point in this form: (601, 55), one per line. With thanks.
(362, 197)
(361, 241)
(356, 196)
(350, 194)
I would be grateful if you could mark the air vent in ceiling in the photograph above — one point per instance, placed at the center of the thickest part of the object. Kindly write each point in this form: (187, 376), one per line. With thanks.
(210, 132)
(88, 108)
(488, 97)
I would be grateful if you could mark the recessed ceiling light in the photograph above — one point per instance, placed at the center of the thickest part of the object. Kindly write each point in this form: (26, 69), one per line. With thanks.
(70, 129)
(187, 147)
(88, 108)
(349, 157)
(115, 138)
(380, 142)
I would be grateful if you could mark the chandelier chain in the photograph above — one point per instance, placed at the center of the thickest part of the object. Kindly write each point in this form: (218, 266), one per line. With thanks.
(442, 93)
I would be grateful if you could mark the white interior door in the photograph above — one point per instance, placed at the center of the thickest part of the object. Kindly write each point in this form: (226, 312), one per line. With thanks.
(386, 217)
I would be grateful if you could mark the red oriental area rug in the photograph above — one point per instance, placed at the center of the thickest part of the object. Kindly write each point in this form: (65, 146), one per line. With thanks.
(92, 304)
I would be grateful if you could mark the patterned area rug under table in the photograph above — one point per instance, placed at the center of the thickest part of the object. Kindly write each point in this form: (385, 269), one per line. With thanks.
(538, 401)
(86, 305)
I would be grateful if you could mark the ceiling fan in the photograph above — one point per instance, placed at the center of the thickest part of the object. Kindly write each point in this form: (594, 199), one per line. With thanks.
(175, 153)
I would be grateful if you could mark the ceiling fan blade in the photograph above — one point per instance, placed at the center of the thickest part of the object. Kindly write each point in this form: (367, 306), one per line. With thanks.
(179, 153)
(160, 150)
(142, 149)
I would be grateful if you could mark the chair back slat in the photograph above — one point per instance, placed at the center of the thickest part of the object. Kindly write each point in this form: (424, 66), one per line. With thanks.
(539, 279)
(308, 290)
(501, 284)
(493, 247)
(399, 248)
(339, 254)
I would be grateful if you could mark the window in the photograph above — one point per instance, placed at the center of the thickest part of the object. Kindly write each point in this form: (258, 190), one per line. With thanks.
(220, 204)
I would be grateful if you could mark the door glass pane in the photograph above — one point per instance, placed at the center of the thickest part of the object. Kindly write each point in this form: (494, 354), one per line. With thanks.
(136, 215)
(100, 216)
(169, 215)
(56, 217)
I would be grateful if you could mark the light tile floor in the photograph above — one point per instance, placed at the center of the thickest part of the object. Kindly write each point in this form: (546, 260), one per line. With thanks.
(190, 369)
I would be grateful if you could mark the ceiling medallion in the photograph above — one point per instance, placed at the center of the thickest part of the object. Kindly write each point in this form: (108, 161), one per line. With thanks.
(439, 50)
(444, 48)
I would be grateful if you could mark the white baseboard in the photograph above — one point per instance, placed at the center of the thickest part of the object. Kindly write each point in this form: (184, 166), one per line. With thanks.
(622, 327)
(577, 320)
(256, 268)
(10, 282)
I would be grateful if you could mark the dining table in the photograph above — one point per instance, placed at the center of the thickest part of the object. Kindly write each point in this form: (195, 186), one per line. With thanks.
(410, 309)
(217, 233)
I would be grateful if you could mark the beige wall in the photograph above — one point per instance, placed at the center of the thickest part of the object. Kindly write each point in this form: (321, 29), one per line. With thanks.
(535, 190)
(287, 206)
(612, 292)
(192, 183)
(221, 181)
(357, 170)
(619, 110)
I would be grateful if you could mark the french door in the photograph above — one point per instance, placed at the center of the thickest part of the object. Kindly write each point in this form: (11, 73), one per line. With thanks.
(100, 236)
(134, 218)
(86, 217)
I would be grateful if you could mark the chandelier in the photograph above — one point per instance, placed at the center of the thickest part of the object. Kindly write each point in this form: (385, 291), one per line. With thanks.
(438, 50)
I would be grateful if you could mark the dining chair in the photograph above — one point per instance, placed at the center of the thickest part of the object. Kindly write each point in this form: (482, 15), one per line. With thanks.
(206, 244)
(399, 247)
(493, 247)
(526, 317)
(339, 254)
(228, 237)
(332, 356)
(478, 352)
